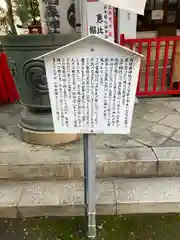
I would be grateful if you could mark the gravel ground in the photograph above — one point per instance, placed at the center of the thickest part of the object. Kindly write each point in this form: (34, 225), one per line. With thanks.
(142, 227)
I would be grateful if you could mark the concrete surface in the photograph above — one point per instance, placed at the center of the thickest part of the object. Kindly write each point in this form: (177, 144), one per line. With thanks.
(115, 196)
(152, 149)
(51, 177)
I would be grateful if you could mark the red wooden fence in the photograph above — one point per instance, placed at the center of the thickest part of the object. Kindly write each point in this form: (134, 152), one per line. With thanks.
(156, 72)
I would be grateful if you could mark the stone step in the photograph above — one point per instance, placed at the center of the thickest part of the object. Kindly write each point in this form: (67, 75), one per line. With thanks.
(113, 196)
(67, 163)
(27, 162)
(146, 152)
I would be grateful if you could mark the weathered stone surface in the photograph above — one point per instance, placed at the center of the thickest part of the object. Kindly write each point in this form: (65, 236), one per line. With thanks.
(10, 194)
(176, 136)
(172, 121)
(154, 117)
(29, 165)
(112, 141)
(36, 196)
(161, 129)
(158, 195)
(63, 199)
(66, 198)
(71, 202)
(8, 143)
(148, 138)
(175, 105)
(126, 162)
(162, 109)
(9, 119)
(132, 144)
(105, 198)
(145, 113)
(140, 124)
(171, 143)
(23, 161)
(3, 133)
(19, 160)
(141, 109)
(167, 104)
(169, 161)
(12, 109)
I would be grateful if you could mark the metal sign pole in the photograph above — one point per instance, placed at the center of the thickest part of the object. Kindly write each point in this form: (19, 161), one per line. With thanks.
(89, 158)
(90, 184)
(85, 147)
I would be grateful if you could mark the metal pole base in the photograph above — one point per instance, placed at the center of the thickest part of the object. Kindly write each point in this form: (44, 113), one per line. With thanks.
(91, 225)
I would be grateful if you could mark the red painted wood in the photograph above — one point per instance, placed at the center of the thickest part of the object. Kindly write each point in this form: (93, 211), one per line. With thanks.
(162, 87)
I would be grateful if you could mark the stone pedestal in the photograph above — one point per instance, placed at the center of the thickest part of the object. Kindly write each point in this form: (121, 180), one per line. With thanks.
(35, 123)
(36, 127)
(47, 138)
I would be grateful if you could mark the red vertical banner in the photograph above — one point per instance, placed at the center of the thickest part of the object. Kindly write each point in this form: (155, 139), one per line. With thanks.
(3, 92)
(8, 91)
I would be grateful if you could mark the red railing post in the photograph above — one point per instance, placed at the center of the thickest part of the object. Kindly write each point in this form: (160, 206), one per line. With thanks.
(122, 39)
(156, 66)
(157, 83)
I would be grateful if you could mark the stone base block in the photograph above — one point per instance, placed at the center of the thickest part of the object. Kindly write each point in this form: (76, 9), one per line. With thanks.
(47, 138)
(66, 198)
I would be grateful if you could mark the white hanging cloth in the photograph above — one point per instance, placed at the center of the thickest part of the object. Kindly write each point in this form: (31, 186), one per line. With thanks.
(136, 6)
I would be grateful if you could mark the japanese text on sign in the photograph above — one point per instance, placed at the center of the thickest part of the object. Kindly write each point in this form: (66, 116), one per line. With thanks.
(92, 94)
(128, 5)
(100, 20)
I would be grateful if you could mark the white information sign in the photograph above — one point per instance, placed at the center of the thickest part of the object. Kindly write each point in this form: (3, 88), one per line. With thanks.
(92, 94)
(100, 19)
(157, 14)
(136, 6)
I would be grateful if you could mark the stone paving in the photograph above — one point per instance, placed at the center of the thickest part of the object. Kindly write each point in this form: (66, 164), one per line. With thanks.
(66, 198)
(46, 173)
(156, 122)
(152, 148)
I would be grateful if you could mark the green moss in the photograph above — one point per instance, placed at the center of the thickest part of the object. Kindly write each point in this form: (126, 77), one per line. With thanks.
(141, 227)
